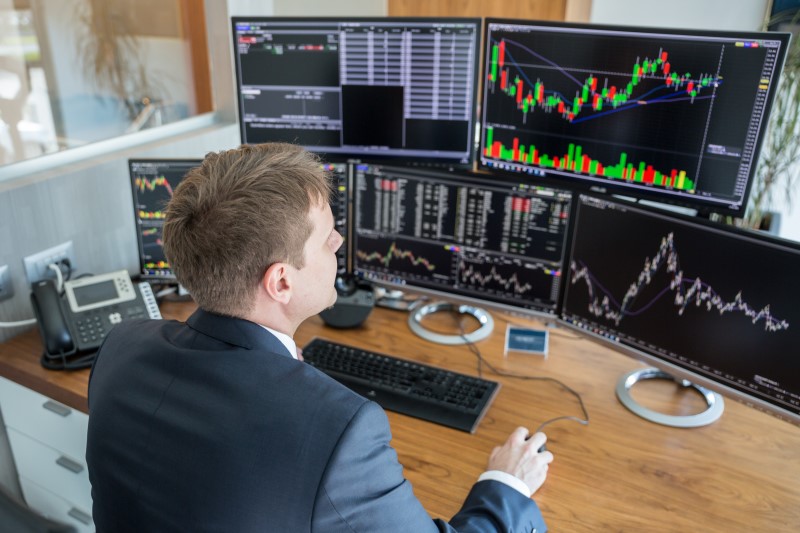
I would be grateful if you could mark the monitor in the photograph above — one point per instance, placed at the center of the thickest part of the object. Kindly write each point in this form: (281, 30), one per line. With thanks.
(153, 181)
(675, 116)
(707, 303)
(461, 236)
(371, 89)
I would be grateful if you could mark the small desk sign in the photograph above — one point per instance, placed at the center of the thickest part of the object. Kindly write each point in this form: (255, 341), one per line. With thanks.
(526, 340)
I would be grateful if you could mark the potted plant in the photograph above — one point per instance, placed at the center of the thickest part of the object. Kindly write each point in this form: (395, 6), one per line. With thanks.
(778, 171)
(111, 54)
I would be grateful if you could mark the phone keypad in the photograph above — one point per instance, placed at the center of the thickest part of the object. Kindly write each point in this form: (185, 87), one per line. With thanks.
(91, 328)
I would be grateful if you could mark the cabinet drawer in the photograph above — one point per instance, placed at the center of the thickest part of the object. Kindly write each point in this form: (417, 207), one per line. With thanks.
(59, 473)
(43, 419)
(55, 507)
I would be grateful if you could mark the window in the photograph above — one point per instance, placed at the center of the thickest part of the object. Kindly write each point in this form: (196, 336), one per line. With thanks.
(74, 72)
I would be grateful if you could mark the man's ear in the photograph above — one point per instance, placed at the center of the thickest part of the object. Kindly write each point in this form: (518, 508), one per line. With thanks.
(278, 283)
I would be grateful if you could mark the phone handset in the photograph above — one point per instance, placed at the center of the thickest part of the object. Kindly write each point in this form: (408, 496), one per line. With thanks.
(53, 327)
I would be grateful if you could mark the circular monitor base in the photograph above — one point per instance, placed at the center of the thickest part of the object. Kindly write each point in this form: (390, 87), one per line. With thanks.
(483, 317)
(714, 401)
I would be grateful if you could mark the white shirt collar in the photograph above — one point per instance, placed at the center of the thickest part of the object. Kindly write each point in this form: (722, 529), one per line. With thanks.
(285, 339)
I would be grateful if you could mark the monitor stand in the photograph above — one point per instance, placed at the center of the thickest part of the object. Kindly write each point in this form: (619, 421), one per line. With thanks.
(485, 320)
(713, 400)
(397, 299)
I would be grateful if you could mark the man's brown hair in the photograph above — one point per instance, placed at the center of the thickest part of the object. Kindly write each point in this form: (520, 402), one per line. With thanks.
(236, 214)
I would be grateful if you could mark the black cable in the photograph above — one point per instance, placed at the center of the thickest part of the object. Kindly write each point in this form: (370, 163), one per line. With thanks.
(60, 362)
(481, 361)
(67, 263)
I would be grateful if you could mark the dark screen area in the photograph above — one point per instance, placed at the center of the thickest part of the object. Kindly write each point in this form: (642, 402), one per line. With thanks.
(373, 89)
(719, 303)
(94, 293)
(372, 116)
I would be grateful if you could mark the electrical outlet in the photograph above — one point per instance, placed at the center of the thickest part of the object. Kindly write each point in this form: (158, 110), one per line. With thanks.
(36, 264)
(6, 288)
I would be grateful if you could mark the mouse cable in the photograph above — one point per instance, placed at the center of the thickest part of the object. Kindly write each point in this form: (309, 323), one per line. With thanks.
(482, 361)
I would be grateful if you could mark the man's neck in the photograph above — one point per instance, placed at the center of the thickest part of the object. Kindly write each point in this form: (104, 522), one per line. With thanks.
(272, 316)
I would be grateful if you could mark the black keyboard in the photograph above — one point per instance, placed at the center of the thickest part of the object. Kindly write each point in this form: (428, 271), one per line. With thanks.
(448, 398)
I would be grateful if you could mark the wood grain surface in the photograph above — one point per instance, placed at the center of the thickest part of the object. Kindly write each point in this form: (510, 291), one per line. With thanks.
(619, 473)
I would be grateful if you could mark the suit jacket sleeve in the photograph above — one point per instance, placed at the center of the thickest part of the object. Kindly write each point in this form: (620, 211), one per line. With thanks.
(363, 489)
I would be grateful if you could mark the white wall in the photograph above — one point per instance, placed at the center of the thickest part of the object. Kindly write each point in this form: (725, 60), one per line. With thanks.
(251, 7)
(309, 8)
(790, 219)
(685, 14)
(330, 8)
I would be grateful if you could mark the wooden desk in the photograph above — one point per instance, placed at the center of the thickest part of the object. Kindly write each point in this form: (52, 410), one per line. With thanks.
(619, 473)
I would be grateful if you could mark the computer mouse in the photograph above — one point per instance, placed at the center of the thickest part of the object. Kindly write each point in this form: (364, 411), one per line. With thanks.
(542, 448)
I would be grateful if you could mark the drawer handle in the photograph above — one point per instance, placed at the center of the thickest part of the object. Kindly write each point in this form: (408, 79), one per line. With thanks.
(69, 464)
(57, 408)
(80, 516)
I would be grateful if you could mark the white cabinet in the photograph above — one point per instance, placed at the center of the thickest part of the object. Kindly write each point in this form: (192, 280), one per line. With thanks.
(48, 440)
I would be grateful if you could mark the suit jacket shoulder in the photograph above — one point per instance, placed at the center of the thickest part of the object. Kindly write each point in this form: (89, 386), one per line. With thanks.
(207, 421)
(212, 426)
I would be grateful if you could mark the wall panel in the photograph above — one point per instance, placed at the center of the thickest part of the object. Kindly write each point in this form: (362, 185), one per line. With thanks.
(526, 9)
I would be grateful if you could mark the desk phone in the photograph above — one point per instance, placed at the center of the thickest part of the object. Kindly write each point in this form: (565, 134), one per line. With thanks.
(78, 321)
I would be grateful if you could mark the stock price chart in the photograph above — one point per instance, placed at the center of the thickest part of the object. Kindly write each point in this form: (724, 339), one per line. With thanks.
(676, 116)
(154, 182)
(717, 302)
(504, 243)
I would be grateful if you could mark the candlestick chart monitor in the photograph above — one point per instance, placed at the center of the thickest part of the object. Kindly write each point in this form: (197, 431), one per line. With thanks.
(676, 117)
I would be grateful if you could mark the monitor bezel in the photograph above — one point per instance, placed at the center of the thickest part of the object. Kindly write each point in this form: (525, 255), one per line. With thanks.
(653, 359)
(395, 160)
(682, 374)
(165, 279)
(586, 185)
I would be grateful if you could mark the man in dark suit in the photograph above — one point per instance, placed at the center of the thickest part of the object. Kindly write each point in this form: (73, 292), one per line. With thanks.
(216, 424)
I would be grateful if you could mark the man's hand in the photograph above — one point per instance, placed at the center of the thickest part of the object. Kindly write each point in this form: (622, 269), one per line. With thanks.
(521, 458)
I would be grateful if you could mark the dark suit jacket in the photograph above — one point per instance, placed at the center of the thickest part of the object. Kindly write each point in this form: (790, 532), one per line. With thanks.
(211, 425)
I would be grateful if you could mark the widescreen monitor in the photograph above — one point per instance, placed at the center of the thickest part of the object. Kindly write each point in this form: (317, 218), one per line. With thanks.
(153, 181)
(371, 89)
(704, 302)
(672, 116)
(462, 237)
